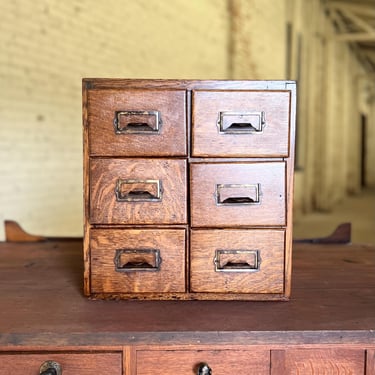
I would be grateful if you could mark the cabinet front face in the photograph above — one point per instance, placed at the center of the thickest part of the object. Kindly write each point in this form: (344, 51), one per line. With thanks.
(137, 260)
(138, 191)
(221, 362)
(237, 261)
(240, 123)
(202, 171)
(69, 363)
(135, 122)
(237, 194)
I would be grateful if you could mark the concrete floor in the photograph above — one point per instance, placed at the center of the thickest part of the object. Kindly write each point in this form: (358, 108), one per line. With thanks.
(358, 209)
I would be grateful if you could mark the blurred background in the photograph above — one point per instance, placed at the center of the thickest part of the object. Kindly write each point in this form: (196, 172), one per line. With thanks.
(48, 46)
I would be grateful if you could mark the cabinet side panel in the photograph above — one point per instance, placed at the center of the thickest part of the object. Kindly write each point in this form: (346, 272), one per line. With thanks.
(86, 200)
(290, 189)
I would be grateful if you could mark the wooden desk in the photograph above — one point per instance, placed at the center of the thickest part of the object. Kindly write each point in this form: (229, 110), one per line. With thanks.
(328, 326)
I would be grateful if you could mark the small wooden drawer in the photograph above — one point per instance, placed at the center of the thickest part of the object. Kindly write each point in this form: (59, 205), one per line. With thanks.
(221, 362)
(241, 123)
(237, 261)
(70, 363)
(137, 260)
(321, 361)
(238, 194)
(138, 191)
(135, 122)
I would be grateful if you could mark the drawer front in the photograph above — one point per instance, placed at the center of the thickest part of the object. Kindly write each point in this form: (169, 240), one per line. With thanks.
(137, 260)
(137, 122)
(138, 191)
(237, 261)
(333, 361)
(221, 362)
(71, 363)
(238, 194)
(241, 123)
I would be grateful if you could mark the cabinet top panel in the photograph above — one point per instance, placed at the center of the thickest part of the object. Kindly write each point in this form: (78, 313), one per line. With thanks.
(111, 83)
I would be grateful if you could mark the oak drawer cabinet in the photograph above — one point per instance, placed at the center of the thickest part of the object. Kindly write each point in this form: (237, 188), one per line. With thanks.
(188, 189)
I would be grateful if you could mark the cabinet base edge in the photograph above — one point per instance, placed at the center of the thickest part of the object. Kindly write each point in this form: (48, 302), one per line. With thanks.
(190, 296)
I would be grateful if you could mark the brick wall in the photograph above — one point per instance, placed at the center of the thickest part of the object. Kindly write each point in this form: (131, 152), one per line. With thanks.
(259, 39)
(47, 46)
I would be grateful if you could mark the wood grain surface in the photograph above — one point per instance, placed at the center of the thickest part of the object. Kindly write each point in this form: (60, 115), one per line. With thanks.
(42, 303)
(268, 279)
(103, 141)
(333, 361)
(271, 210)
(71, 363)
(170, 277)
(106, 209)
(221, 362)
(208, 141)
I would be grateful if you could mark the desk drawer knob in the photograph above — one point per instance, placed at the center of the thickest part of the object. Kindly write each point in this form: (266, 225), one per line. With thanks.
(204, 369)
(50, 368)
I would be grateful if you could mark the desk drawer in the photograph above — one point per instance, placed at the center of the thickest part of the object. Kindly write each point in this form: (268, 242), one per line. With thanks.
(221, 362)
(138, 191)
(71, 363)
(137, 260)
(237, 261)
(238, 194)
(137, 122)
(241, 123)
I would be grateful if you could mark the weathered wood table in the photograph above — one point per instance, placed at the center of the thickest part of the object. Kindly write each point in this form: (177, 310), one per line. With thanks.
(328, 326)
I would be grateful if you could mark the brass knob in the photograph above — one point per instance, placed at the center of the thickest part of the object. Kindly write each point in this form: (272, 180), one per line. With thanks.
(50, 368)
(204, 369)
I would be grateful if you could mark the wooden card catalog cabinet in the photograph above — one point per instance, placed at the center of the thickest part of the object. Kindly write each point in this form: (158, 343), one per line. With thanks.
(188, 189)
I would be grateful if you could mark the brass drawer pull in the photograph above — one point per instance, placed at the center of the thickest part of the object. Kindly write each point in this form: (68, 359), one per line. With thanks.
(130, 260)
(241, 122)
(138, 122)
(237, 260)
(50, 368)
(138, 190)
(204, 369)
(237, 194)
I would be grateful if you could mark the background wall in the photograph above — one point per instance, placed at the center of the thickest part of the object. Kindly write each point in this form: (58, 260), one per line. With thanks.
(47, 46)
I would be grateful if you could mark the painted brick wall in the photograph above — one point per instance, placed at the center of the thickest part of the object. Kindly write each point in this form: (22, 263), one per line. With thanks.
(47, 46)
(259, 39)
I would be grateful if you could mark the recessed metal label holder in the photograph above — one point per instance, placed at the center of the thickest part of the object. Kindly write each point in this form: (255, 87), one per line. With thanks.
(237, 260)
(237, 194)
(130, 260)
(137, 122)
(133, 190)
(252, 122)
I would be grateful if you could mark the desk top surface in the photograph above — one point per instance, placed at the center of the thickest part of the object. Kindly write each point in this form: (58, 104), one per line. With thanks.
(41, 300)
